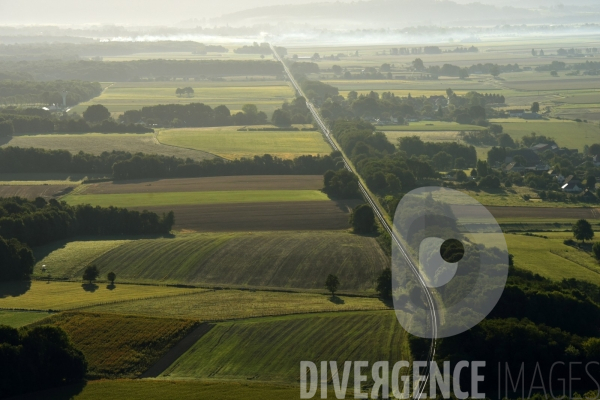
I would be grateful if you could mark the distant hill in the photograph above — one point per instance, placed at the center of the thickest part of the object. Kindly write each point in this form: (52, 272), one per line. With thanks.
(383, 13)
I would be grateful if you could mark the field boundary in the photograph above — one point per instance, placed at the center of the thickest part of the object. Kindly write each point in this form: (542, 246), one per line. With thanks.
(156, 133)
(175, 352)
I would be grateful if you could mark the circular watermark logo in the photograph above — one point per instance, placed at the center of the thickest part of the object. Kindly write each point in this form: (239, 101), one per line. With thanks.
(449, 262)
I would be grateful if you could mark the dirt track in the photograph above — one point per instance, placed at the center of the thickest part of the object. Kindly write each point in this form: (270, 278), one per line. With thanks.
(300, 215)
(217, 183)
(30, 191)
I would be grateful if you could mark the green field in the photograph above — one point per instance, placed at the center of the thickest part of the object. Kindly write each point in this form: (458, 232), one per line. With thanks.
(39, 295)
(123, 96)
(552, 259)
(96, 143)
(431, 126)
(121, 346)
(570, 134)
(236, 304)
(70, 257)
(274, 259)
(184, 198)
(514, 197)
(230, 143)
(17, 319)
(164, 389)
(272, 348)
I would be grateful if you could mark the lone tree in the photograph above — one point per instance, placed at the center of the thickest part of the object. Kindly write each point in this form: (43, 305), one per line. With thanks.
(535, 107)
(384, 284)
(362, 219)
(91, 273)
(111, 276)
(582, 230)
(96, 113)
(332, 284)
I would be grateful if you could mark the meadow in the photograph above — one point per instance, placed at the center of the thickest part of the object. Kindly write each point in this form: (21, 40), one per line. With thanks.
(43, 295)
(96, 143)
(552, 259)
(122, 96)
(70, 257)
(261, 259)
(17, 319)
(186, 198)
(228, 142)
(223, 305)
(272, 348)
(570, 134)
(121, 346)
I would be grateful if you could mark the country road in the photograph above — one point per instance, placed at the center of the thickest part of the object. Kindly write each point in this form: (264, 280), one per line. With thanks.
(380, 215)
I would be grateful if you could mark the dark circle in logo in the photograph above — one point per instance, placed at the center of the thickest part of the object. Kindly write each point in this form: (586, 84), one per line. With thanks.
(452, 250)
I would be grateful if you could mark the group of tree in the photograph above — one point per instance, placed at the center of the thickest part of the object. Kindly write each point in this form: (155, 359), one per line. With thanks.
(124, 71)
(193, 115)
(340, 184)
(39, 221)
(36, 359)
(299, 69)
(186, 91)
(262, 48)
(49, 92)
(448, 153)
(464, 72)
(16, 260)
(295, 112)
(472, 108)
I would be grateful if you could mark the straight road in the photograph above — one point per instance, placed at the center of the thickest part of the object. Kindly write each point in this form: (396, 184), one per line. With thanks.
(380, 215)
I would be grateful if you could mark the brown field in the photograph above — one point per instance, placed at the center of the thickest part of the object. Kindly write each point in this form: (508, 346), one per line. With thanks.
(217, 183)
(554, 84)
(545, 213)
(31, 191)
(284, 216)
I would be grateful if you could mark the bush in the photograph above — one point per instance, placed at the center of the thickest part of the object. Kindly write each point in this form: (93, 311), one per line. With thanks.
(362, 219)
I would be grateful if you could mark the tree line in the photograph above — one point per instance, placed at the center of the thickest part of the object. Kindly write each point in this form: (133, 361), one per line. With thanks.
(193, 115)
(22, 124)
(39, 221)
(123, 71)
(47, 51)
(28, 92)
(124, 165)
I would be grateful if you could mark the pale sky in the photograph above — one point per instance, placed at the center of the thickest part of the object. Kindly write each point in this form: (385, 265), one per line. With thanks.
(134, 12)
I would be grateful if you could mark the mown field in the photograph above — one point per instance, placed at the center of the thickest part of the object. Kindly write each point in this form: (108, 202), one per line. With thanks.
(122, 96)
(121, 346)
(96, 143)
(165, 389)
(551, 258)
(570, 134)
(271, 259)
(222, 305)
(230, 143)
(32, 191)
(272, 348)
(207, 184)
(195, 198)
(41, 295)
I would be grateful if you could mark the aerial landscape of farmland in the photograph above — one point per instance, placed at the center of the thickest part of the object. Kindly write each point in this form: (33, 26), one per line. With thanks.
(225, 204)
